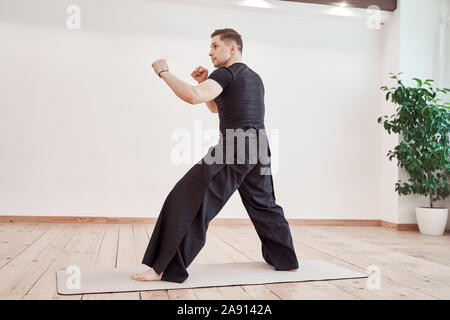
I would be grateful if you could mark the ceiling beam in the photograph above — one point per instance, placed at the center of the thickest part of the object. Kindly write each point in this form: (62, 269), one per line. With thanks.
(387, 5)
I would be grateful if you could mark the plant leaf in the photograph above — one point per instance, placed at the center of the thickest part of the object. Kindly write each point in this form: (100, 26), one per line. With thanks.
(418, 81)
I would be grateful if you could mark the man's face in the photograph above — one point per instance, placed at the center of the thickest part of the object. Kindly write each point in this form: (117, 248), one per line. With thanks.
(220, 51)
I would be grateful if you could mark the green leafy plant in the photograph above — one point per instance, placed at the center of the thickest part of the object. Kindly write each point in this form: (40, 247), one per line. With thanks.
(424, 123)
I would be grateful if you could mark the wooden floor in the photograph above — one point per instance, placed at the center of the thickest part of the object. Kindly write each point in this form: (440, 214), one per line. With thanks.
(413, 266)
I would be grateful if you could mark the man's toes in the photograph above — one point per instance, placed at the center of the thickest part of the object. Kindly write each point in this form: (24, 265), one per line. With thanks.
(135, 277)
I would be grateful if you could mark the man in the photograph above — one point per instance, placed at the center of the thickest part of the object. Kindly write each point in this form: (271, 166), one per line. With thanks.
(236, 93)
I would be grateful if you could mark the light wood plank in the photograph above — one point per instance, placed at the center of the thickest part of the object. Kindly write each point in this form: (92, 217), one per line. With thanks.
(19, 239)
(46, 268)
(247, 240)
(17, 275)
(81, 250)
(106, 258)
(429, 248)
(333, 250)
(126, 257)
(413, 266)
(182, 294)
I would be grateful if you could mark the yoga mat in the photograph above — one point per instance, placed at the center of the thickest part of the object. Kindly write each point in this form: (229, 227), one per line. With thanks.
(200, 275)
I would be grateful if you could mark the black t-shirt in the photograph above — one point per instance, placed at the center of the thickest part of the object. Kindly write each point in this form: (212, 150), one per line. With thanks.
(241, 103)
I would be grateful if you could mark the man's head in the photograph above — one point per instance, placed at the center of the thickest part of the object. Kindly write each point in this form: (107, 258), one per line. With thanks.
(226, 45)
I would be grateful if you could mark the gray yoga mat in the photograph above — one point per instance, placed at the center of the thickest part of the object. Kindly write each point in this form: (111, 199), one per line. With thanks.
(200, 275)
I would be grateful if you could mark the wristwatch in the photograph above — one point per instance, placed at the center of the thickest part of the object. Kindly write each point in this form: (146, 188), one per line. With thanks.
(159, 73)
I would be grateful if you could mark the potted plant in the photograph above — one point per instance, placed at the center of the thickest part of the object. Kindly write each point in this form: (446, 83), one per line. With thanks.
(423, 121)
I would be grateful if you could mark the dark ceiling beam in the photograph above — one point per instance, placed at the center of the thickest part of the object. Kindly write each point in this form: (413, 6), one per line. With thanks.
(387, 5)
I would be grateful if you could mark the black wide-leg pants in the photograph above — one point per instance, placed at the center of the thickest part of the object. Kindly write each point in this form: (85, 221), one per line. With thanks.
(181, 228)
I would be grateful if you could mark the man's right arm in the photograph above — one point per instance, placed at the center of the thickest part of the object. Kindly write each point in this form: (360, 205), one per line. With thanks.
(200, 74)
(212, 106)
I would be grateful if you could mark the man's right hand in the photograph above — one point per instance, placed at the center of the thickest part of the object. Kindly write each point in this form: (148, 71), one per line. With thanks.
(200, 74)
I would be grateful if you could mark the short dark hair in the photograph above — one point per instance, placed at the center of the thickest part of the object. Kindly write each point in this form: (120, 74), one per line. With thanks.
(229, 34)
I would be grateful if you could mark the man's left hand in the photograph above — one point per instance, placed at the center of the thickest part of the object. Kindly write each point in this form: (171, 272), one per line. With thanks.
(159, 65)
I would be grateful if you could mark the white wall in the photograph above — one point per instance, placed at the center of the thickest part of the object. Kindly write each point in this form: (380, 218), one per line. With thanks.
(419, 38)
(445, 30)
(389, 170)
(412, 46)
(419, 57)
(446, 77)
(85, 126)
(446, 66)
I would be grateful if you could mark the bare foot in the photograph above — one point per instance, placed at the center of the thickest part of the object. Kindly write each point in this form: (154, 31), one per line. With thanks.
(293, 269)
(148, 275)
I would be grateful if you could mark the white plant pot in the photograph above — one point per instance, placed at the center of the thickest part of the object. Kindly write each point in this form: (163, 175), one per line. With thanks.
(432, 221)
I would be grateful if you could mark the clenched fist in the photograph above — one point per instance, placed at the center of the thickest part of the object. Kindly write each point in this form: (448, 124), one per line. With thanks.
(159, 65)
(200, 74)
